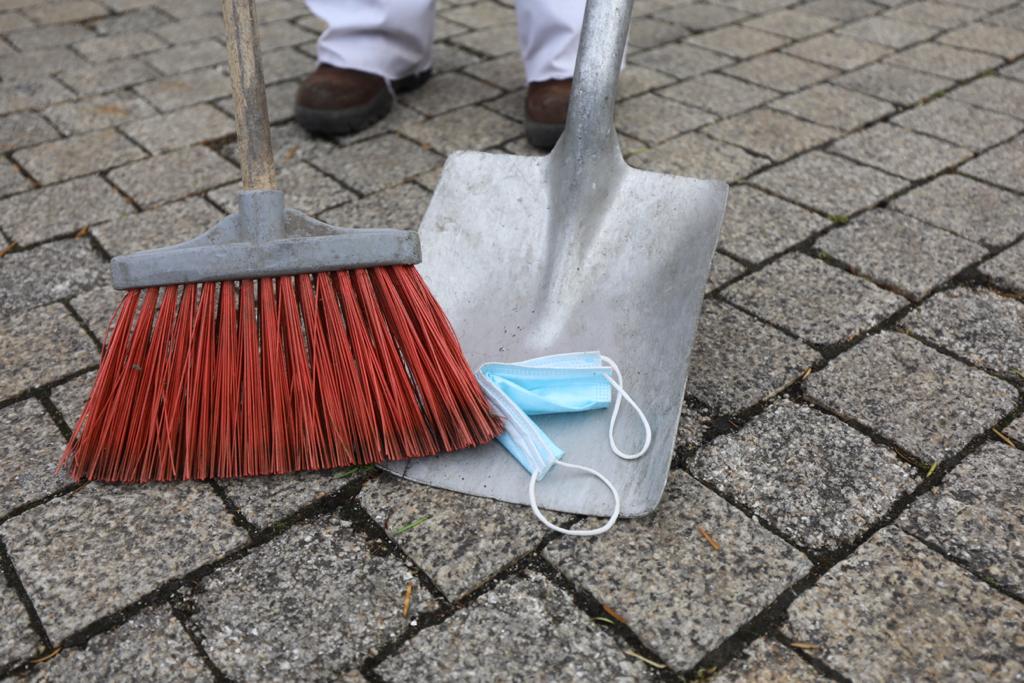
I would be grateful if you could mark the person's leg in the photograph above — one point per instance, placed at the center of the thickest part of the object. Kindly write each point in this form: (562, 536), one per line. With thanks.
(389, 38)
(368, 48)
(549, 35)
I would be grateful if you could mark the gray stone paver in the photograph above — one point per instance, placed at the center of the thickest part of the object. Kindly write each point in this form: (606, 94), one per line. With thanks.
(900, 152)
(29, 450)
(1001, 165)
(264, 501)
(371, 165)
(96, 79)
(829, 183)
(738, 41)
(900, 252)
(748, 571)
(781, 72)
(56, 210)
(813, 300)
(944, 60)
(305, 189)
(844, 10)
(524, 629)
(765, 661)
(893, 83)
(96, 308)
(77, 156)
(888, 31)
(174, 92)
(173, 175)
(968, 208)
(976, 515)
(180, 128)
(654, 119)
(841, 52)
(447, 92)
(119, 46)
(489, 534)
(36, 93)
(770, 133)
(49, 327)
(101, 111)
(169, 224)
(979, 325)
(792, 23)
(467, 128)
(892, 590)
(960, 123)
(1007, 269)
(116, 116)
(11, 179)
(17, 639)
(152, 646)
(818, 481)
(24, 129)
(997, 40)
(70, 397)
(958, 401)
(700, 17)
(719, 94)
(682, 60)
(51, 272)
(272, 614)
(1016, 430)
(397, 207)
(696, 155)
(1003, 95)
(758, 225)
(830, 105)
(723, 269)
(938, 15)
(175, 528)
(738, 361)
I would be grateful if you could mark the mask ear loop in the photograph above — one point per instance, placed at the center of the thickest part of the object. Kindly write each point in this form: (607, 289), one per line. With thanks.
(575, 532)
(621, 394)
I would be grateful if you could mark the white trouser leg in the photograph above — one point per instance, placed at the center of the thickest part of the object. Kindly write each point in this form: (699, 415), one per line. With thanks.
(549, 33)
(390, 38)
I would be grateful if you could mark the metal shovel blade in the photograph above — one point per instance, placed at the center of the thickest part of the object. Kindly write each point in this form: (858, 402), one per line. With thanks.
(574, 251)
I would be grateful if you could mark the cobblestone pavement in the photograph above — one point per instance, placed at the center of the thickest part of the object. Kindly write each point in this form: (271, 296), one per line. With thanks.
(845, 501)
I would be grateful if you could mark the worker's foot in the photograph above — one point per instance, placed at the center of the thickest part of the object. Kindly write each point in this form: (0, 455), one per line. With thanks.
(547, 104)
(333, 101)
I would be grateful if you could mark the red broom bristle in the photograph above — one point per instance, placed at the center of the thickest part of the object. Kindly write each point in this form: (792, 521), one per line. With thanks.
(298, 373)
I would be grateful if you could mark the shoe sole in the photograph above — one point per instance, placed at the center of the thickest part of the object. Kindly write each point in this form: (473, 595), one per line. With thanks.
(543, 135)
(333, 122)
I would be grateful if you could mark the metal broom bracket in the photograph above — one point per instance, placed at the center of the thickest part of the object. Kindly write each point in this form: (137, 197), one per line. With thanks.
(263, 239)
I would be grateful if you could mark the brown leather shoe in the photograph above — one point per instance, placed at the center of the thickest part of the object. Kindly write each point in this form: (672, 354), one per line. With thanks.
(547, 103)
(333, 101)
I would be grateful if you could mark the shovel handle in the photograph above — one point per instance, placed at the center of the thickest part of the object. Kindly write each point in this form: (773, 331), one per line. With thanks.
(590, 129)
(252, 123)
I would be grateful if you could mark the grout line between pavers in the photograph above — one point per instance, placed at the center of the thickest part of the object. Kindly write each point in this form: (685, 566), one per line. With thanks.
(819, 666)
(331, 504)
(10, 573)
(791, 388)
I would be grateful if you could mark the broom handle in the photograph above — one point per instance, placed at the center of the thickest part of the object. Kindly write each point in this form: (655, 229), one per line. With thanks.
(252, 123)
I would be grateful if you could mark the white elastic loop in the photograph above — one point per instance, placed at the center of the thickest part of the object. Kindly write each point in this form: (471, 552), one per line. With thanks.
(575, 532)
(621, 394)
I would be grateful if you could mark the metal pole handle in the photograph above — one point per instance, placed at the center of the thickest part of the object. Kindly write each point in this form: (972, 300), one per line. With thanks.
(590, 129)
(252, 123)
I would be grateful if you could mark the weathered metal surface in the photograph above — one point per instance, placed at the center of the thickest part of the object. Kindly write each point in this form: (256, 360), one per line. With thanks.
(570, 252)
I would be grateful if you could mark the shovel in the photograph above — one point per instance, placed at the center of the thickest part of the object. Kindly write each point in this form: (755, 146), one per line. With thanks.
(575, 251)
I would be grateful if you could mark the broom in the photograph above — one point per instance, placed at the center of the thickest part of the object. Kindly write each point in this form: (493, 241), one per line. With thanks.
(273, 342)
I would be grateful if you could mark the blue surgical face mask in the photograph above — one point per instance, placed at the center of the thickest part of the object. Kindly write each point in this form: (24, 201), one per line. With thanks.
(563, 383)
